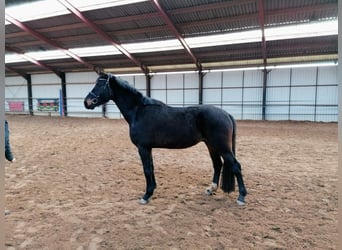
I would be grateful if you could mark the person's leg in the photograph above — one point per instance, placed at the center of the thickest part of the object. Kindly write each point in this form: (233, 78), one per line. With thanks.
(8, 151)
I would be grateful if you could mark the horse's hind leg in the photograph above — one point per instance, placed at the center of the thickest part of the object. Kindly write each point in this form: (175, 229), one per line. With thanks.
(232, 166)
(242, 189)
(217, 164)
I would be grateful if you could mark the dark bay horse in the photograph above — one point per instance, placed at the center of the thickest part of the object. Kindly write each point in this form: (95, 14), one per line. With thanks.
(153, 124)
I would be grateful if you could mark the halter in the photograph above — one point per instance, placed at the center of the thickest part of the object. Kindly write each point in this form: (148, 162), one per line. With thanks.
(95, 100)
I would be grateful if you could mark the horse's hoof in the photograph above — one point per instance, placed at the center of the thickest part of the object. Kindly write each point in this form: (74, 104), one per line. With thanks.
(208, 191)
(142, 201)
(240, 203)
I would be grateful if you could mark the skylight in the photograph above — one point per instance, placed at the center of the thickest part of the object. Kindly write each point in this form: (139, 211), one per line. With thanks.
(47, 55)
(83, 5)
(49, 8)
(96, 51)
(36, 10)
(155, 46)
(224, 39)
(323, 28)
(14, 58)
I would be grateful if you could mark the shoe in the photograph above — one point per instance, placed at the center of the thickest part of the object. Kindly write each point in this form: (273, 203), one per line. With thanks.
(13, 160)
(7, 212)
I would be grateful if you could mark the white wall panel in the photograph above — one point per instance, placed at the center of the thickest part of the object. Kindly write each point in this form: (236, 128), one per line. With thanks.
(78, 90)
(304, 76)
(16, 92)
(159, 95)
(327, 75)
(326, 114)
(15, 80)
(279, 77)
(175, 81)
(140, 83)
(158, 82)
(302, 113)
(45, 79)
(47, 91)
(278, 95)
(303, 95)
(252, 95)
(81, 77)
(327, 95)
(75, 96)
(232, 79)
(175, 97)
(191, 80)
(212, 80)
(290, 93)
(253, 78)
(191, 97)
(277, 112)
(212, 96)
(230, 96)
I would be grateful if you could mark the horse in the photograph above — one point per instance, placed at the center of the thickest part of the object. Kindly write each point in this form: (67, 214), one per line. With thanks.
(153, 124)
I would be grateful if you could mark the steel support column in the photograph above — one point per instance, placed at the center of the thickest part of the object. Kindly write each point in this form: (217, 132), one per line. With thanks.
(148, 85)
(29, 93)
(200, 87)
(264, 56)
(64, 93)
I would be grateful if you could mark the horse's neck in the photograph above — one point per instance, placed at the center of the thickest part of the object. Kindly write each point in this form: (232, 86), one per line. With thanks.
(126, 99)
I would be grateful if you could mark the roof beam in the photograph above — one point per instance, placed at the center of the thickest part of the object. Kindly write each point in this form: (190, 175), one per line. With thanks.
(24, 75)
(170, 24)
(46, 40)
(103, 34)
(32, 60)
(262, 27)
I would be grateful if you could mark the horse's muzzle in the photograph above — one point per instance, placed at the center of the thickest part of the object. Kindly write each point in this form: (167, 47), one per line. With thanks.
(90, 103)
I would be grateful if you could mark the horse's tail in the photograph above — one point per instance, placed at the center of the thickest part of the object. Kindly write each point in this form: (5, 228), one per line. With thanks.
(234, 135)
(228, 178)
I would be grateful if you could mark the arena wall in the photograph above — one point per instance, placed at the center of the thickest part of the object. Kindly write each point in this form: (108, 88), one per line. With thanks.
(292, 93)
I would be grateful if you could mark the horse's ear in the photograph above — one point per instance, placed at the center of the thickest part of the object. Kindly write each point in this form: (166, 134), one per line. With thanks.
(99, 70)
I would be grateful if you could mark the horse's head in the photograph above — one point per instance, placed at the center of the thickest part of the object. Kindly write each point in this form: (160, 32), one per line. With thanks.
(100, 94)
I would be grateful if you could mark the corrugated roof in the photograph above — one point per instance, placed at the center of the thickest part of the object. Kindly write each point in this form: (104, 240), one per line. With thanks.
(141, 22)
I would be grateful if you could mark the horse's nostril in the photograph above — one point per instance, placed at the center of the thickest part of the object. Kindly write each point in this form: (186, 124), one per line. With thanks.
(88, 102)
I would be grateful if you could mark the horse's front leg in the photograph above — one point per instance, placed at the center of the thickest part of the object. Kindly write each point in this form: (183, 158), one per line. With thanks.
(217, 164)
(146, 158)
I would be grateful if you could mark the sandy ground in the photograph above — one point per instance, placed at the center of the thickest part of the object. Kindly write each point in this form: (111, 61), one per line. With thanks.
(76, 185)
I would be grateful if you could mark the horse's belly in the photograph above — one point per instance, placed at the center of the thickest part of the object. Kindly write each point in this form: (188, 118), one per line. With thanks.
(172, 141)
(163, 138)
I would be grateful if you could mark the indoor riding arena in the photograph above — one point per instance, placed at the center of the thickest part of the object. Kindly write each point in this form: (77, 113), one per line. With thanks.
(78, 178)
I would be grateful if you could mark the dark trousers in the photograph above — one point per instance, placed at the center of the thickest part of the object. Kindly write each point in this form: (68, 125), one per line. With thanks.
(8, 151)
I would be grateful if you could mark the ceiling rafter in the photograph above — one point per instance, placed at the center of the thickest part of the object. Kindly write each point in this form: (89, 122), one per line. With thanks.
(232, 19)
(103, 34)
(146, 24)
(170, 24)
(262, 27)
(32, 60)
(23, 74)
(46, 40)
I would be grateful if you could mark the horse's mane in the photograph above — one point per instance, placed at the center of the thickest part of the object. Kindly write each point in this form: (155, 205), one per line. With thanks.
(136, 93)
